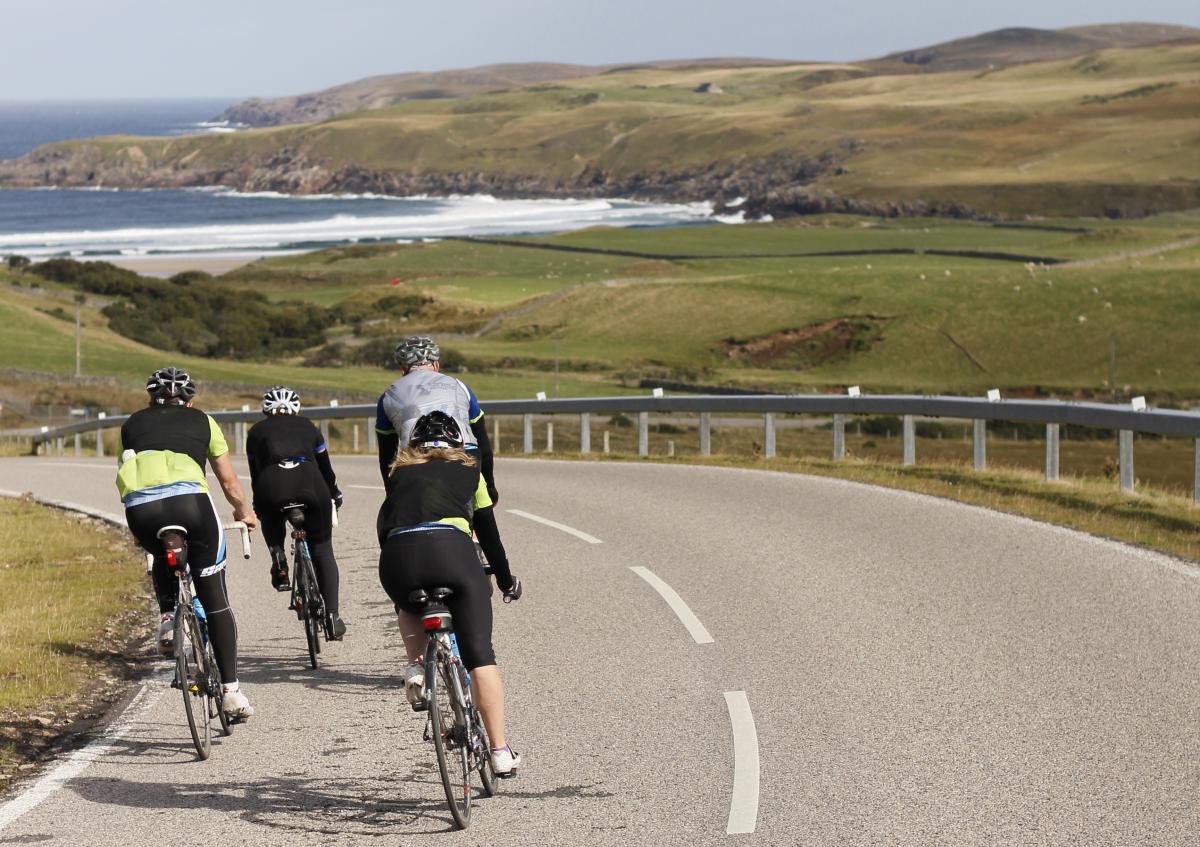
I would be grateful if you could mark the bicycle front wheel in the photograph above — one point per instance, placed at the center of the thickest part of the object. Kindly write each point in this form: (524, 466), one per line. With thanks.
(450, 742)
(193, 678)
(481, 745)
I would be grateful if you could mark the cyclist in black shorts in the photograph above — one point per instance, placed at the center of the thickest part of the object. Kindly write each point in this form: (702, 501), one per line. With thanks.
(433, 489)
(289, 463)
(161, 480)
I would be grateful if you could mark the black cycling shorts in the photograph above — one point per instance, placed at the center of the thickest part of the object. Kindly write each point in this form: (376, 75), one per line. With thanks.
(277, 487)
(196, 514)
(443, 558)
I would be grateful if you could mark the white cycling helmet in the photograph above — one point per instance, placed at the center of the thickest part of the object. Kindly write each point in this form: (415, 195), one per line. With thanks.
(280, 400)
(417, 350)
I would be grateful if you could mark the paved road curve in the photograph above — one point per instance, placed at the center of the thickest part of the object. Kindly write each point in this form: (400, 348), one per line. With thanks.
(900, 670)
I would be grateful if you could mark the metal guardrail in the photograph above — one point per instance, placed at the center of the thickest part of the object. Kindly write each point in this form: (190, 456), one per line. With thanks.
(1124, 419)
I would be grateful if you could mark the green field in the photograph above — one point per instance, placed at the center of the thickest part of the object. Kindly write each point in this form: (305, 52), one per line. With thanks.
(750, 308)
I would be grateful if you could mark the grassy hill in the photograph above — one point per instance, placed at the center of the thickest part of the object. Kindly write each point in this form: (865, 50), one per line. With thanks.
(1111, 133)
(1021, 45)
(750, 306)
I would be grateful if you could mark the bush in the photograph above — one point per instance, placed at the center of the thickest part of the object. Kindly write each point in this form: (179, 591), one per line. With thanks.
(186, 315)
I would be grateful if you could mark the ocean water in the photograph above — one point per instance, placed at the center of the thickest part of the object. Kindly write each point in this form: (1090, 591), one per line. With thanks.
(44, 223)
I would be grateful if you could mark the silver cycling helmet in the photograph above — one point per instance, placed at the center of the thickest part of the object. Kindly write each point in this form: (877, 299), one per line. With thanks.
(280, 400)
(417, 350)
(170, 385)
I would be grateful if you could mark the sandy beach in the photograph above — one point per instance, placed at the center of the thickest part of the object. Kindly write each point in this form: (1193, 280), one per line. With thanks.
(169, 265)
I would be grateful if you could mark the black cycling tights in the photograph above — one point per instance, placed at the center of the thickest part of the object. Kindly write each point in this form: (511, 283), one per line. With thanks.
(205, 541)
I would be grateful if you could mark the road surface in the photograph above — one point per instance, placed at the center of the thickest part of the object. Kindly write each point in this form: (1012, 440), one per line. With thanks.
(703, 656)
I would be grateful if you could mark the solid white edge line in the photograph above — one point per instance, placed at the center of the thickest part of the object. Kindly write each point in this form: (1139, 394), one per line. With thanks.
(743, 803)
(116, 520)
(590, 539)
(680, 608)
(367, 487)
(76, 762)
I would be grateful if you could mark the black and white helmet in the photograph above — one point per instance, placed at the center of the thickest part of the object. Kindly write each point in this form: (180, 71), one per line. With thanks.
(280, 400)
(417, 350)
(436, 429)
(170, 385)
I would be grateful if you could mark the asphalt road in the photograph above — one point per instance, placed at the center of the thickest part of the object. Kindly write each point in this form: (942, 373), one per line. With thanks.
(917, 672)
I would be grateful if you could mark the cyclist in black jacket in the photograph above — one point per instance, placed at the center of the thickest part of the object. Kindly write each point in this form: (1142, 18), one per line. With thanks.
(289, 463)
(434, 489)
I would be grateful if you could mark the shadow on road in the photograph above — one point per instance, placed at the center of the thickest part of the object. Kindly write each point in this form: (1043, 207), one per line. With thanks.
(320, 806)
(337, 679)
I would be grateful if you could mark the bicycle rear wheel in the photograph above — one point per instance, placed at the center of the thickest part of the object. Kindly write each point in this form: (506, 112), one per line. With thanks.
(307, 591)
(192, 676)
(449, 741)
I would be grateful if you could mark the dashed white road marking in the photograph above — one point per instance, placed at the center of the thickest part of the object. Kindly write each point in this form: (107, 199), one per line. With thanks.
(367, 487)
(570, 530)
(75, 763)
(680, 608)
(743, 804)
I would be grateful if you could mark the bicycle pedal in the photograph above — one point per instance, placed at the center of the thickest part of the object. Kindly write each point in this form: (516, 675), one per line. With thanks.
(422, 706)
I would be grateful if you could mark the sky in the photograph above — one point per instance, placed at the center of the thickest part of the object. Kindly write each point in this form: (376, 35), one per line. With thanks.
(112, 49)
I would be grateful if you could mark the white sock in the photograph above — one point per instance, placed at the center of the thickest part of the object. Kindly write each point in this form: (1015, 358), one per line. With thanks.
(231, 686)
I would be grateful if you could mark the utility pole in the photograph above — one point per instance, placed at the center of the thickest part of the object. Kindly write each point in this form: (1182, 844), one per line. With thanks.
(79, 298)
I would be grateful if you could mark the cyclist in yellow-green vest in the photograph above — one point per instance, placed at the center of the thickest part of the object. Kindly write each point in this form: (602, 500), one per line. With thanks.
(162, 483)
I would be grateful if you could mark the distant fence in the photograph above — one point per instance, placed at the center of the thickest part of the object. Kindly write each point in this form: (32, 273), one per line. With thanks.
(1054, 414)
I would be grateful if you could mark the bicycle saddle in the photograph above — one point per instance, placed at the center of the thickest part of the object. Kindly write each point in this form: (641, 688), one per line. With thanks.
(294, 512)
(421, 598)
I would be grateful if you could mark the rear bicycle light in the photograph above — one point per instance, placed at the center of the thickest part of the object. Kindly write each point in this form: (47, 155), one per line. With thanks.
(437, 622)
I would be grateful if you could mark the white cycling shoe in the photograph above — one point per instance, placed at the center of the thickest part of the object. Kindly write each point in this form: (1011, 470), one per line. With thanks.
(166, 634)
(505, 762)
(235, 705)
(414, 684)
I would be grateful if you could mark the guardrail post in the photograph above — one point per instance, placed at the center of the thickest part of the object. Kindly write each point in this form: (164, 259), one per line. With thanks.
(372, 438)
(528, 439)
(496, 435)
(585, 433)
(671, 449)
(979, 442)
(58, 445)
(643, 433)
(910, 441)
(100, 436)
(839, 437)
(1051, 452)
(78, 444)
(549, 436)
(356, 438)
(769, 435)
(325, 430)
(1196, 488)
(705, 433)
(606, 441)
(1125, 443)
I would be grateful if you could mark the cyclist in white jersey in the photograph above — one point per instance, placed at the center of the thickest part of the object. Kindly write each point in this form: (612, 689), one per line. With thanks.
(423, 388)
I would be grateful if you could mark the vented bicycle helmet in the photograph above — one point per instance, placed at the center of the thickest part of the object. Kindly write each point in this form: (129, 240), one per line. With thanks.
(417, 350)
(170, 385)
(280, 400)
(436, 429)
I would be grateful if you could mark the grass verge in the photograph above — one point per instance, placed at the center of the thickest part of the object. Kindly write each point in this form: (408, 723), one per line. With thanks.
(73, 604)
(1165, 523)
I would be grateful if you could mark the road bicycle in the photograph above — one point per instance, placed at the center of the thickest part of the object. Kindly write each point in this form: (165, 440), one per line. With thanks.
(196, 674)
(454, 724)
(307, 602)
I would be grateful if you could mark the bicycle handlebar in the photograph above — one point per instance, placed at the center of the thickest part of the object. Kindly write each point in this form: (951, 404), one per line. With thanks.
(245, 533)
